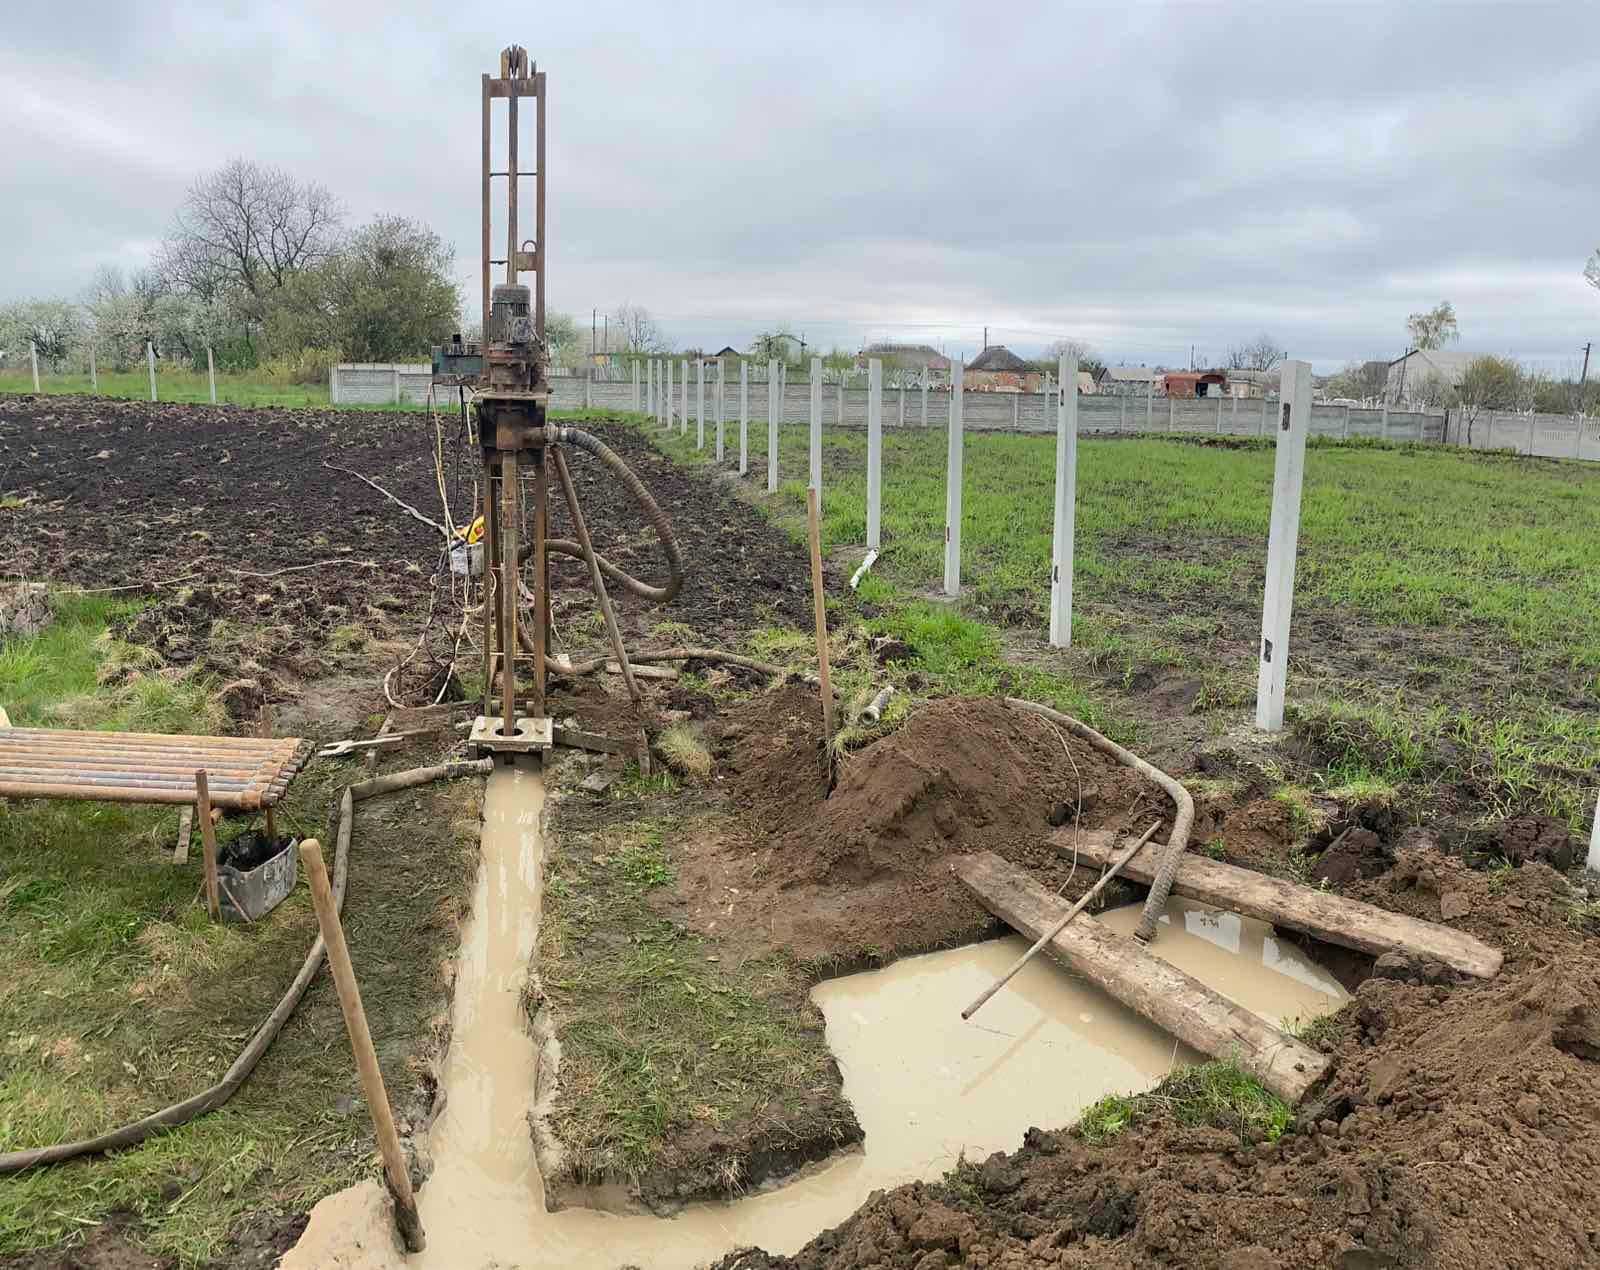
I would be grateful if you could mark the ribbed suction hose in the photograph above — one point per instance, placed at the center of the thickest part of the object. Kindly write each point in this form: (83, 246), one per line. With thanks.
(653, 513)
(1182, 821)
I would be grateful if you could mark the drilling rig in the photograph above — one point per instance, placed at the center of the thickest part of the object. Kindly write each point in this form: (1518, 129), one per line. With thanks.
(506, 378)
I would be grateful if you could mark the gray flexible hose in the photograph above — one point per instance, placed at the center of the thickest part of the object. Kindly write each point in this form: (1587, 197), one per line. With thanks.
(1182, 822)
(657, 518)
(211, 1098)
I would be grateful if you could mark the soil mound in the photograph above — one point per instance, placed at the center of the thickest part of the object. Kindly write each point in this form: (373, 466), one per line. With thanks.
(863, 873)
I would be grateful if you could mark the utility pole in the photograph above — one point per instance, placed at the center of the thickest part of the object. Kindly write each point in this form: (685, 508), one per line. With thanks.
(1578, 406)
(593, 347)
(986, 337)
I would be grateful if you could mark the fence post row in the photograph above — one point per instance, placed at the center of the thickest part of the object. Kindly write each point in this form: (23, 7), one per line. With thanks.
(1283, 540)
(774, 387)
(874, 453)
(952, 485)
(1066, 504)
(815, 479)
(744, 417)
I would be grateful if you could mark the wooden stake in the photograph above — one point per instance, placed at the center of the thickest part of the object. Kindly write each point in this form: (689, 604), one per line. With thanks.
(818, 604)
(406, 1217)
(208, 839)
(1070, 913)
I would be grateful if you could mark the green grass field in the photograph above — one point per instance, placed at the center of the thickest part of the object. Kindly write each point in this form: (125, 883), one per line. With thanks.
(1444, 600)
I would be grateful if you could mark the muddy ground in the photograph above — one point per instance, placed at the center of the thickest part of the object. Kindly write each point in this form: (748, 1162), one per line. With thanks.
(1460, 1125)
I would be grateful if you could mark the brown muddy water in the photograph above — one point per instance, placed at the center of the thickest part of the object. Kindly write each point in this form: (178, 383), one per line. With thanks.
(926, 1087)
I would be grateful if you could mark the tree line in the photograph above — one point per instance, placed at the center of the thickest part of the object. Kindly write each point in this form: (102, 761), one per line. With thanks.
(260, 268)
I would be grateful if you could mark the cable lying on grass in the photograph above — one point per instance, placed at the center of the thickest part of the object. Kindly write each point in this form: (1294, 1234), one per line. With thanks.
(213, 1097)
(1182, 822)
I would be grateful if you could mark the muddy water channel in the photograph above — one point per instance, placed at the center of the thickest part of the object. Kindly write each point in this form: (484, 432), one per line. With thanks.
(926, 1086)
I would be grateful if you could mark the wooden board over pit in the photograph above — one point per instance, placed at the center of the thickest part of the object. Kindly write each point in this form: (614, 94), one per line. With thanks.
(244, 773)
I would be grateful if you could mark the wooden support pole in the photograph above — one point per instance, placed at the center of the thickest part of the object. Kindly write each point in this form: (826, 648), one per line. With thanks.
(1331, 918)
(406, 1218)
(1066, 505)
(1083, 902)
(208, 840)
(874, 454)
(1144, 983)
(1282, 545)
(952, 486)
(819, 606)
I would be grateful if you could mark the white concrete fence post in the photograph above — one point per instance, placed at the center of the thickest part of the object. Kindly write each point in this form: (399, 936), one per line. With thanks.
(666, 397)
(1219, 416)
(874, 453)
(839, 410)
(721, 400)
(952, 486)
(211, 374)
(700, 404)
(683, 396)
(1066, 505)
(636, 387)
(1149, 404)
(1172, 414)
(1016, 411)
(744, 417)
(394, 372)
(588, 387)
(774, 387)
(815, 469)
(94, 372)
(649, 389)
(902, 404)
(924, 396)
(33, 357)
(333, 385)
(1282, 544)
(150, 361)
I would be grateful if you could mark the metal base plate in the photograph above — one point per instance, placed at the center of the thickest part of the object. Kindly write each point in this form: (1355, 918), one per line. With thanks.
(531, 735)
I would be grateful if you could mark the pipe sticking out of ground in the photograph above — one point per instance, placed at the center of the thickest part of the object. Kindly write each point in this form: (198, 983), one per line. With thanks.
(1182, 821)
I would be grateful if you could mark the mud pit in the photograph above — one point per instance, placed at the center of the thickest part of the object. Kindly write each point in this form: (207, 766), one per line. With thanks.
(929, 1088)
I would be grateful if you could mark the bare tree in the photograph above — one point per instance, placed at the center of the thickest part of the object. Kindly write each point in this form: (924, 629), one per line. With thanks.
(1261, 353)
(1488, 383)
(1088, 359)
(639, 331)
(1434, 328)
(244, 230)
(1591, 271)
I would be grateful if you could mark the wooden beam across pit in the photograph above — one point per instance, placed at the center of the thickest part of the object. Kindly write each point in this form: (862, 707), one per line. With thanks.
(1331, 918)
(1162, 993)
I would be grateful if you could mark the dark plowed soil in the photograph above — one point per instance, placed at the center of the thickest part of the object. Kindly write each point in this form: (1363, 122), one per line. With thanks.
(864, 874)
(222, 509)
(1460, 1128)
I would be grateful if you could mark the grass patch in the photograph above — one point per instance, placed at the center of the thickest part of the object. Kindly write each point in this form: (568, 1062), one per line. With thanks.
(659, 1036)
(122, 997)
(685, 751)
(1219, 1093)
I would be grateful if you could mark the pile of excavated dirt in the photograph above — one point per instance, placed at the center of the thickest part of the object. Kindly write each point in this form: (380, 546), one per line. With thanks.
(1460, 1128)
(864, 873)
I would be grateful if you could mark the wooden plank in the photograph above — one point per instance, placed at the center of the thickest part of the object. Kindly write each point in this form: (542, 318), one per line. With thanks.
(1144, 983)
(1331, 918)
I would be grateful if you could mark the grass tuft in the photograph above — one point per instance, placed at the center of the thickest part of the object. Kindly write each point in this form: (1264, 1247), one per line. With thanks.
(1219, 1093)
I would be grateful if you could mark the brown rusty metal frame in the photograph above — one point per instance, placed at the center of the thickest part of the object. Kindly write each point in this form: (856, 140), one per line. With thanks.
(518, 447)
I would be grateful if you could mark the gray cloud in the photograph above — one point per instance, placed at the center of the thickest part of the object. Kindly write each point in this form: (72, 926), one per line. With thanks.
(1145, 177)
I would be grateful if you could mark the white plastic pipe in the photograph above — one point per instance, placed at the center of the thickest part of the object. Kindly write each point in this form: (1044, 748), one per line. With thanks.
(874, 454)
(774, 386)
(952, 487)
(1066, 505)
(816, 427)
(1282, 544)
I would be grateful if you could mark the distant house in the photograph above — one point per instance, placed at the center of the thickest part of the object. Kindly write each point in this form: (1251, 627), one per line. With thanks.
(1412, 376)
(1252, 383)
(908, 359)
(727, 350)
(1194, 383)
(1086, 384)
(998, 369)
(1128, 379)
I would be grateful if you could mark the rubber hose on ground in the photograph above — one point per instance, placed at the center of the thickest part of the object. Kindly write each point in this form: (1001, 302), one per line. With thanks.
(657, 518)
(1182, 821)
(213, 1097)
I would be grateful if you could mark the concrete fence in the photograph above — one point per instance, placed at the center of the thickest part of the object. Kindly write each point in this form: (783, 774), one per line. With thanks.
(379, 383)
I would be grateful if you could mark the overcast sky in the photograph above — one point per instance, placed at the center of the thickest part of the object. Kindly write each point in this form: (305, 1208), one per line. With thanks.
(1141, 177)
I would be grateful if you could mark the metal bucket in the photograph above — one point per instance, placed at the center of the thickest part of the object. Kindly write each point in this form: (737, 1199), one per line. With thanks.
(251, 894)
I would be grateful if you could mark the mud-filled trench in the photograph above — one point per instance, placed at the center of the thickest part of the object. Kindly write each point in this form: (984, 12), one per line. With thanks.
(927, 1087)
